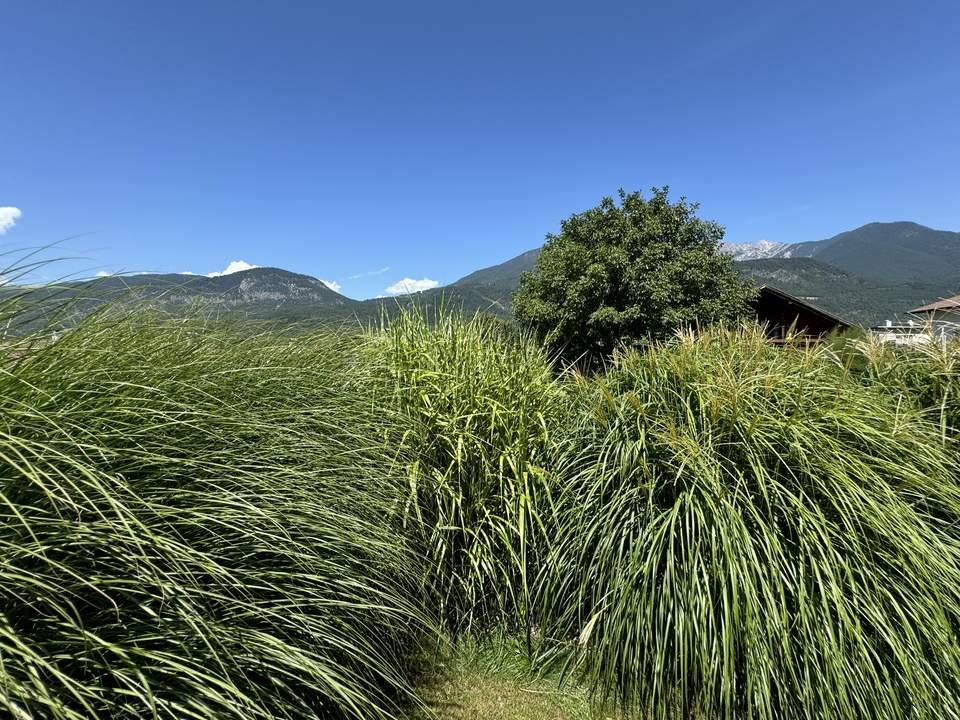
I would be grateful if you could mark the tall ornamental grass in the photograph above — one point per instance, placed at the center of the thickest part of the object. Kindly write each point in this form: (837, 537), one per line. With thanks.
(477, 404)
(745, 532)
(197, 522)
(926, 376)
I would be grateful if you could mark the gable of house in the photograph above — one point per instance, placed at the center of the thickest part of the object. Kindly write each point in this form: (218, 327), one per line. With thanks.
(782, 314)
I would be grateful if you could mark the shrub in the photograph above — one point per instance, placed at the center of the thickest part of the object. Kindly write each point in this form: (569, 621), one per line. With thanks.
(621, 273)
(745, 532)
(477, 403)
(196, 523)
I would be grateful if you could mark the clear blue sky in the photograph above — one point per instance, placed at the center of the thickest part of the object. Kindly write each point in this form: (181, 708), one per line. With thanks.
(338, 139)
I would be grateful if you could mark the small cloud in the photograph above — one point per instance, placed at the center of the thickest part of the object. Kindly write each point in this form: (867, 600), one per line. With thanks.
(332, 284)
(8, 218)
(187, 272)
(234, 266)
(409, 285)
(369, 273)
(103, 273)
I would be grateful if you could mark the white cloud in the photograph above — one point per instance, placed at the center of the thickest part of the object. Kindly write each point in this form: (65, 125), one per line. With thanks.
(8, 218)
(234, 266)
(409, 285)
(369, 273)
(332, 284)
(102, 273)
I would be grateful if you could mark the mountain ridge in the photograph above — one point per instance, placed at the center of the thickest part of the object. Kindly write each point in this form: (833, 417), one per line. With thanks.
(902, 250)
(868, 274)
(891, 268)
(754, 251)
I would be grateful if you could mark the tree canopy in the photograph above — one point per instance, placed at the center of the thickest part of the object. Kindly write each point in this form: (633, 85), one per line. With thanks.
(623, 272)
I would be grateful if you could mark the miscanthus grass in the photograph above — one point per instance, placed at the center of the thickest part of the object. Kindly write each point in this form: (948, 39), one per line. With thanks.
(198, 522)
(745, 532)
(926, 376)
(477, 403)
(211, 521)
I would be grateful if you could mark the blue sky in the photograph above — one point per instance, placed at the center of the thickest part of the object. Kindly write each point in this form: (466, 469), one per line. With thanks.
(364, 143)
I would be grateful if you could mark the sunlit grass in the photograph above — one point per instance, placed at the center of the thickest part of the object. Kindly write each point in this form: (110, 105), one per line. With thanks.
(477, 403)
(492, 677)
(198, 523)
(745, 532)
(225, 521)
(925, 376)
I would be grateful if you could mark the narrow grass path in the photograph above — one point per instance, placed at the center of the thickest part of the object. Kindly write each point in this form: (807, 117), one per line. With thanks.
(492, 681)
(471, 696)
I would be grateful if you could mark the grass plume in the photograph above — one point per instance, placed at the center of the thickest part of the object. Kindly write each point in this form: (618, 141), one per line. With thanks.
(478, 403)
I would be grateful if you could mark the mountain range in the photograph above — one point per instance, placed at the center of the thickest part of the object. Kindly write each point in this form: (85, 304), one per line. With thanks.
(866, 275)
(897, 251)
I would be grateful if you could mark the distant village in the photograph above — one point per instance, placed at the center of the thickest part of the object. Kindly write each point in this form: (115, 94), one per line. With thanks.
(938, 320)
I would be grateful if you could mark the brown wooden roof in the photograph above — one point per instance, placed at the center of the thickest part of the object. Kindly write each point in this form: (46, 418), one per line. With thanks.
(948, 304)
(794, 300)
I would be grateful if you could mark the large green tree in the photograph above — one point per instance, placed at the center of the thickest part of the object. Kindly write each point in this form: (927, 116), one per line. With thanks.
(623, 272)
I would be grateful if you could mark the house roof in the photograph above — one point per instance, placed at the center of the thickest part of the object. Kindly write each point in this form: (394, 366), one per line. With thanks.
(803, 303)
(948, 304)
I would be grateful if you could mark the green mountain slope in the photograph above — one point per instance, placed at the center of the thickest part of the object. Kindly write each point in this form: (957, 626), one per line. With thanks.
(473, 298)
(859, 300)
(487, 290)
(260, 293)
(506, 274)
(897, 251)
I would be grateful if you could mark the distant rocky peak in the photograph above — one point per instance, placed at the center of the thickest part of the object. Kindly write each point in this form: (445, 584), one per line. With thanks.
(759, 250)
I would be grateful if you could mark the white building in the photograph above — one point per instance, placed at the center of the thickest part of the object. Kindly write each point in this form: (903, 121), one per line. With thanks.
(937, 321)
(908, 333)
